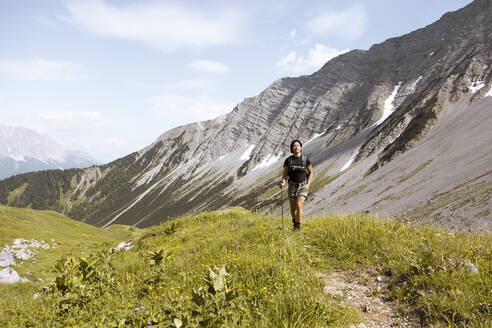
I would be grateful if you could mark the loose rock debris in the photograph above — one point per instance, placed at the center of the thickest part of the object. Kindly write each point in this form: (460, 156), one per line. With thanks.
(365, 291)
(20, 250)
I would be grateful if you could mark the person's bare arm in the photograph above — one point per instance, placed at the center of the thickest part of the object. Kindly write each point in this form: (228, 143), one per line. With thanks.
(284, 177)
(311, 175)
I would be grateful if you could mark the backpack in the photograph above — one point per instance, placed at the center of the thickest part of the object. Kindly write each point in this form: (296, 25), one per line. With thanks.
(304, 164)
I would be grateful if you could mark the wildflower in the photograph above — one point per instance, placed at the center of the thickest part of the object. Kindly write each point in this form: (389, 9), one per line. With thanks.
(136, 309)
(142, 308)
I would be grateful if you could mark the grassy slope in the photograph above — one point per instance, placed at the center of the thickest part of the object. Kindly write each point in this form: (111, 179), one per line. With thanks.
(273, 275)
(67, 238)
(72, 237)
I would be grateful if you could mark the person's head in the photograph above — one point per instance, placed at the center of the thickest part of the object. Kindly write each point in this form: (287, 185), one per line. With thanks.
(294, 142)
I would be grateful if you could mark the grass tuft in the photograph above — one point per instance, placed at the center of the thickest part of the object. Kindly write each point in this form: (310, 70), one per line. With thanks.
(233, 268)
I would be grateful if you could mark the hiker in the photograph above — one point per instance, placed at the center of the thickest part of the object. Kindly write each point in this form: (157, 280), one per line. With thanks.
(300, 172)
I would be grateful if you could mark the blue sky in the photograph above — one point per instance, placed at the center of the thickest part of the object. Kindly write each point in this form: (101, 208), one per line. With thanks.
(109, 77)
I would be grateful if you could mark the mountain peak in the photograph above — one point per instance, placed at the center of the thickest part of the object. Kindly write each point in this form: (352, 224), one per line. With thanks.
(401, 129)
(24, 150)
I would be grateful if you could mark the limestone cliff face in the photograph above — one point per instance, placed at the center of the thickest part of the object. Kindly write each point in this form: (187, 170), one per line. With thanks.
(434, 65)
(363, 109)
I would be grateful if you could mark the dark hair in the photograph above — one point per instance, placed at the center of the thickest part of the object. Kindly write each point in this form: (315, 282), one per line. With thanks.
(292, 144)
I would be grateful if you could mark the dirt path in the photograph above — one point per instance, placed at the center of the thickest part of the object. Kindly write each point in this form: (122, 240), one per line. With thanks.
(366, 291)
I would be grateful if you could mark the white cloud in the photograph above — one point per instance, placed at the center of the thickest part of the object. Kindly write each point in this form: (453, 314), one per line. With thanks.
(350, 23)
(315, 59)
(208, 66)
(181, 109)
(114, 142)
(41, 69)
(161, 25)
(70, 117)
(286, 62)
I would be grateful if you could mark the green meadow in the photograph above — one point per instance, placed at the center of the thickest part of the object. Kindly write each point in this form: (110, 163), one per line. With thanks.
(232, 268)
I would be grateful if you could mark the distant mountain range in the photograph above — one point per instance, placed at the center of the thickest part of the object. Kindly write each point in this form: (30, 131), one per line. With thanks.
(23, 150)
(402, 129)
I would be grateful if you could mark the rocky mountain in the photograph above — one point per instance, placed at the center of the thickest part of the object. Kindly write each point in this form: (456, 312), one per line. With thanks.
(23, 150)
(401, 129)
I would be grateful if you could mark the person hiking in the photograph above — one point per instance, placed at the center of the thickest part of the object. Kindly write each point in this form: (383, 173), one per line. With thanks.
(299, 170)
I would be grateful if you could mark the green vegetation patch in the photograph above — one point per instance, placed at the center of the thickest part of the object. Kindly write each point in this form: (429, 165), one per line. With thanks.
(321, 179)
(123, 232)
(66, 237)
(414, 172)
(442, 275)
(15, 194)
(233, 268)
(415, 131)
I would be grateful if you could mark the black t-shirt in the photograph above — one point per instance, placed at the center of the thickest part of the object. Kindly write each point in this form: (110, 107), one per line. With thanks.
(297, 173)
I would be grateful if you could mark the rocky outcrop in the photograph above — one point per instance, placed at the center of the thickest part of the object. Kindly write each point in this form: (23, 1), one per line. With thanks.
(434, 65)
(364, 109)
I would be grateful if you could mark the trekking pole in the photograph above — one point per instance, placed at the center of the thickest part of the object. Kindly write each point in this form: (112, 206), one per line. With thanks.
(282, 204)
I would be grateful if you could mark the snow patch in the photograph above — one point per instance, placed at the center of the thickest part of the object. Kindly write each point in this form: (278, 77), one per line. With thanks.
(350, 161)
(476, 86)
(339, 126)
(316, 135)
(431, 54)
(269, 160)
(416, 82)
(489, 93)
(18, 158)
(45, 161)
(388, 104)
(221, 158)
(246, 155)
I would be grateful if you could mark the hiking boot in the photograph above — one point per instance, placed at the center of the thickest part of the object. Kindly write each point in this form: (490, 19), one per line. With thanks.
(297, 226)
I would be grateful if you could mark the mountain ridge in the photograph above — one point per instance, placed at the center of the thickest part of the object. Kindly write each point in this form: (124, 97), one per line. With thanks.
(24, 150)
(361, 112)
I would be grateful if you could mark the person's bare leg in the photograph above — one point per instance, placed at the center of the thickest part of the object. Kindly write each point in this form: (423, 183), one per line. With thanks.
(299, 204)
(293, 208)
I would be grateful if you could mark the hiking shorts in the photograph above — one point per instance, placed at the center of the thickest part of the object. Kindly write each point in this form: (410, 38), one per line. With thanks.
(298, 189)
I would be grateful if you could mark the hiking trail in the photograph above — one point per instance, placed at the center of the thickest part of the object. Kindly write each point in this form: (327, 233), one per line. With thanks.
(366, 291)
